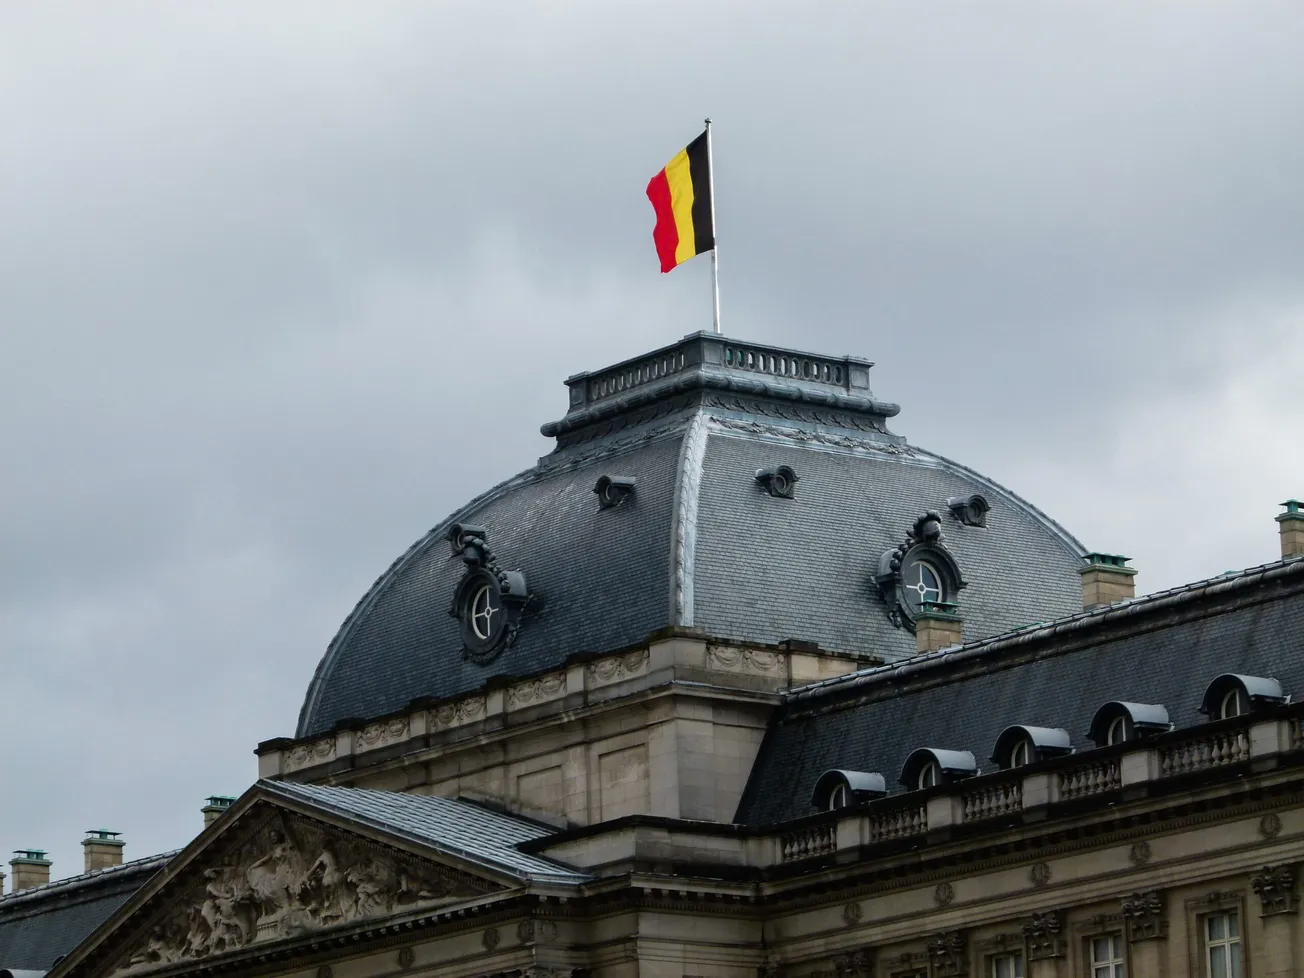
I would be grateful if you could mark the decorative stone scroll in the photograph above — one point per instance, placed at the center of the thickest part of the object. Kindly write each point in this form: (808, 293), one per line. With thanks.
(381, 734)
(456, 713)
(949, 954)
(539, 690)
(1144, 916)
(291, 877)
(725, 659)
(306, 755)
(1042, 933)
(1276, 890)
(617, 667)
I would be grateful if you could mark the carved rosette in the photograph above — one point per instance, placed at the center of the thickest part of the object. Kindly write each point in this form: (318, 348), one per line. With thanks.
(1144, 916)
(1276, 890)
(1042, 934)
(291, 877)
(949, 954)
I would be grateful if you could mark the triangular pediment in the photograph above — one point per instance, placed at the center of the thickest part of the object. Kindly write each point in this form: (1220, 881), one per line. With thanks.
(269, 873)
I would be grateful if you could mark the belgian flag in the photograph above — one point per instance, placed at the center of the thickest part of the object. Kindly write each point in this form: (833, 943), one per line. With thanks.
(681, 196)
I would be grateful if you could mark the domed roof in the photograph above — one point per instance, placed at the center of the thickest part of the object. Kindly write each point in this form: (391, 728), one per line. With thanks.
(749, 492)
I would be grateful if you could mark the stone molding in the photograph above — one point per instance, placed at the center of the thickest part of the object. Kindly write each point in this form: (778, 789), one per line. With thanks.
(1275, 887)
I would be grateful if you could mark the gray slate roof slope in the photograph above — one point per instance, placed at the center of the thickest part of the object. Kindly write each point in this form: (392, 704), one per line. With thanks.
(769, 569)
(43, 923)
(699, 544)
(1170, 665)
(449, 825)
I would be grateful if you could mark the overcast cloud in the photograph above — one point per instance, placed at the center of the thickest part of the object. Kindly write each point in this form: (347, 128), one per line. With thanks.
(281, 285)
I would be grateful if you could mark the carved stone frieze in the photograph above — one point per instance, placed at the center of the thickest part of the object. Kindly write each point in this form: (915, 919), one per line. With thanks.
(1145, 917)
(949, 954)
(532, 930)
(290, 877)
(456, 713)
(617, 667)
(381, 734)
(306, 755)
(539, 690)
(1275, 887)
(857, 964)
(759, 661)
(1043, 934)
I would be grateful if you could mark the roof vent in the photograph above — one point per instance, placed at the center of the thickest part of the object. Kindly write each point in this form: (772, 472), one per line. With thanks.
(779, 482)
(613, 490)
(1019, 745)
(1232, 695)
(1291, 523)
(969, 510)
(1117, 722)
(839, 789)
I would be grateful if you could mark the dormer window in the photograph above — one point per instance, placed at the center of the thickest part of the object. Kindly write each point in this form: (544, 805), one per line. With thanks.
(1118, 722)
(1233, 695)
(1021, 745)
(841, 789)
(929, 767)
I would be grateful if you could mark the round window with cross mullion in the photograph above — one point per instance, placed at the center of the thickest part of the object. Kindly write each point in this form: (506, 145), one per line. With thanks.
(480, 613)
(920, 583)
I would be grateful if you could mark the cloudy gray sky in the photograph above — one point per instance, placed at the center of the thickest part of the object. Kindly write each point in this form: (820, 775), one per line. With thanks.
(283, 284)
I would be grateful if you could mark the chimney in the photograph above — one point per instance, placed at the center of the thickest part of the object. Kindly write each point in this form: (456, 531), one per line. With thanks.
(217, 804)
(938, 625)
(1106, 580)
(1292, 528)
(102, 849)
(30, 868)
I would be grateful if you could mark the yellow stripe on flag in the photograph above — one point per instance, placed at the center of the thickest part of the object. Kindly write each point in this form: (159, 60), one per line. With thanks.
(680, 179)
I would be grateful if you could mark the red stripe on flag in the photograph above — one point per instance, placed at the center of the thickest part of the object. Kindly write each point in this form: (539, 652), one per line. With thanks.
(665, 234)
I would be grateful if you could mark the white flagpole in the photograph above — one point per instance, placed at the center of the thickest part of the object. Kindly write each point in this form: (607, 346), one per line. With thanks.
(715, 250)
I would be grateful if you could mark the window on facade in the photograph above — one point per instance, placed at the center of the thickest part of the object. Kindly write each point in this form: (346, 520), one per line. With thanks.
(1233, 704)
(1107, 956)
(929, 775)
(840, 798)
(1021, 754)
(1223, 945)
(1007, 966)
(1117, 732)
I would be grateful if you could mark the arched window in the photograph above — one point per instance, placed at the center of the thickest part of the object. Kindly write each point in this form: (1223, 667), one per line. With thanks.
(929, 775)
(1020, 754)
(1233, 704)
(840, 797)
(1117, 732)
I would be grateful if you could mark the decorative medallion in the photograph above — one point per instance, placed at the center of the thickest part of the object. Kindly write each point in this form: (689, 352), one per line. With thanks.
(918, 573)
(1270, 825)
(405, 957)
(1039, 874)
(490, 939)
(851, 913)
(944, 894)
(489, 601)
(1140, 853)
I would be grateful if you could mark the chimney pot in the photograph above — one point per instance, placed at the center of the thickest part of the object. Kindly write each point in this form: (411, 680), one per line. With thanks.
(938, 625)
(102, 849)
(1292, 528)
(217, 804)
(30, 868)
(1106, 580)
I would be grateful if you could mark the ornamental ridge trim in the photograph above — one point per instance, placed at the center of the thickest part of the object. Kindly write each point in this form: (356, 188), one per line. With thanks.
(288, 878)
(788, 412)
(845, 442)
(684, 543)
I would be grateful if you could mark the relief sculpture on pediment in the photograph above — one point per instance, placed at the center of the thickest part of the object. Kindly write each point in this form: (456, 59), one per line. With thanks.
(292, 878)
